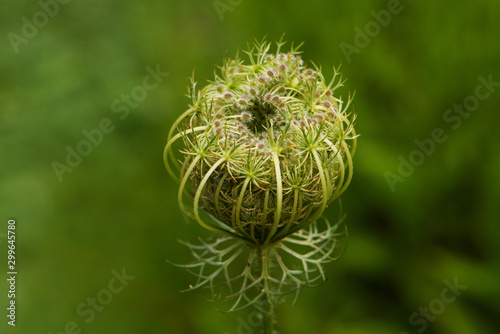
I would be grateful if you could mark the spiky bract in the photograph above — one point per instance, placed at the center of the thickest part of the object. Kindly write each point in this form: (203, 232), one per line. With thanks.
(243, 275)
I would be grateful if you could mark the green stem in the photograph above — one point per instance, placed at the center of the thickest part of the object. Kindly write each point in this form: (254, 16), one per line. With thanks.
(269, 320)
(268, 314)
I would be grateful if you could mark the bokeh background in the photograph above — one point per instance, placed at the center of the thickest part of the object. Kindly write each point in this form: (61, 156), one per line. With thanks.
(116, 210)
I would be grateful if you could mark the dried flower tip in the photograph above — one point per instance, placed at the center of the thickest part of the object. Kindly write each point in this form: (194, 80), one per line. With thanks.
(299, 61)
(246, 117)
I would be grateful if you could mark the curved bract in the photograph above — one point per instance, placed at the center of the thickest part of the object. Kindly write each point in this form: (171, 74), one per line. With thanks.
(249, 276)
(267, 146)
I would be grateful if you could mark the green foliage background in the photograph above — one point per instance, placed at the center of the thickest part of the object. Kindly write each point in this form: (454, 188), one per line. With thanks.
(118, 208)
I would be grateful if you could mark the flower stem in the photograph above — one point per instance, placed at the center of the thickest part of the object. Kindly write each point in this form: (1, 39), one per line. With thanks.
(268, 313)
(269, 320)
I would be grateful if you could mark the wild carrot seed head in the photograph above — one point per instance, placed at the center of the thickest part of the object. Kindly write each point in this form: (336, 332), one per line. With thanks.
(290, 153)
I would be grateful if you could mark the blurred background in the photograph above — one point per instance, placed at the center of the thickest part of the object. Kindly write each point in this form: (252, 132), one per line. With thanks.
(94, 229)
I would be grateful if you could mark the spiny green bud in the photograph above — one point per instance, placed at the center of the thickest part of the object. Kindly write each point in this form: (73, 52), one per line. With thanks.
(268, 144)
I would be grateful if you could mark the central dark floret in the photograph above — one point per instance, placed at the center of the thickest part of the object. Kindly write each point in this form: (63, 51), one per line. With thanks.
(261, 115)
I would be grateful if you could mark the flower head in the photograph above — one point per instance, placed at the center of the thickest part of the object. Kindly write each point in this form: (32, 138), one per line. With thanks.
(267, 146)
